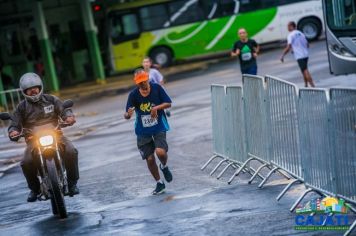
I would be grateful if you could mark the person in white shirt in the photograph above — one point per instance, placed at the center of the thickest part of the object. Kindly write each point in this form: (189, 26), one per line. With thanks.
(154, 75)
(300, 47)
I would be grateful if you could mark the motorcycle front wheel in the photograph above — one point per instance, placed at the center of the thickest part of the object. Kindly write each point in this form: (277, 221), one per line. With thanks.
(57, 198)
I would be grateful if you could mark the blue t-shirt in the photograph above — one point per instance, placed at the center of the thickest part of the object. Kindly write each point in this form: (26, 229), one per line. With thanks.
(144, 124)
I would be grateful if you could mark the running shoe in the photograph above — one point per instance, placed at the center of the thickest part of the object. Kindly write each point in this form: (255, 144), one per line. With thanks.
(167, 173)
(160, 188)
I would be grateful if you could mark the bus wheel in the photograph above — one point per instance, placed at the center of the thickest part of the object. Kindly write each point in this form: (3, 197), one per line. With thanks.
(311, 28)
(162, 56)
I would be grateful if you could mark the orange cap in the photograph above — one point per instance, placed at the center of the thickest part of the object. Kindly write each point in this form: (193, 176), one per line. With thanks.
(140, 77)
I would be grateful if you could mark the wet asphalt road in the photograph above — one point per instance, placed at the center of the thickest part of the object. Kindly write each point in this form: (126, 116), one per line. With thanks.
(116, 185)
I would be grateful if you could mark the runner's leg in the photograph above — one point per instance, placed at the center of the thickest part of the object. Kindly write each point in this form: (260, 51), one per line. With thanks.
(152, 166)
(309, 78)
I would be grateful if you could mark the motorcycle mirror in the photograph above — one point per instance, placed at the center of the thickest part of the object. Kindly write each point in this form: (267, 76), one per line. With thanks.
(5, 116)
(67, 104)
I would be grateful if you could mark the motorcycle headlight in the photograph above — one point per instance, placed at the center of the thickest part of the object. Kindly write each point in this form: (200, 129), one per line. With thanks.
(46, 140)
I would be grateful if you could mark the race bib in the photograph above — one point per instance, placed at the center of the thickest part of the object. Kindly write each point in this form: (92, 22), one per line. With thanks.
(48, 109)
(148, 121)
(246, 56)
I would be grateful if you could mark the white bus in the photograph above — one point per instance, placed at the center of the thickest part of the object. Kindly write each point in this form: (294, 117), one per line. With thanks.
(340, 17)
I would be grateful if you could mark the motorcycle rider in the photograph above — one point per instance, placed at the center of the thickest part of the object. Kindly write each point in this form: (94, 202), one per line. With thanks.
(38, 109)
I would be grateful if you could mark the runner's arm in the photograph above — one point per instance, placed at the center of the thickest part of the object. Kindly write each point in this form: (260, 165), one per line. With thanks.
(159, 77)
(162, 106)
(285, 51)
(130, 108)
(129, 113)
(256, 47)
(235, 51)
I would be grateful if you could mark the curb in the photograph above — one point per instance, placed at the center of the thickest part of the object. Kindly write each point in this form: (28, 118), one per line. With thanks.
(175, 75)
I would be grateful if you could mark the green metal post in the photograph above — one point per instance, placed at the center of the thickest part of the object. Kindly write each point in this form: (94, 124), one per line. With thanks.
(91, 33)
(47, 57)
(2, 96)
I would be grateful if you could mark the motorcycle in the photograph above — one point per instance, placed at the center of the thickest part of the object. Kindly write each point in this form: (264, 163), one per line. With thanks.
(51, 170)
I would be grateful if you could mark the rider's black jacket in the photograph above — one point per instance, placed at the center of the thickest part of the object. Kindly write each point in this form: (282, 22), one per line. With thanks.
(47, 110)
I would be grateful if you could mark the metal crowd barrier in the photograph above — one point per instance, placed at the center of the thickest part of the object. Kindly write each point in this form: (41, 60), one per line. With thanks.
(219, 137)
(316, 142)
(9, 99)
(234, 128)
(257, 128)
(254, 113)
(343, 103)
(308, 134)
(282, 104)
(229, 143)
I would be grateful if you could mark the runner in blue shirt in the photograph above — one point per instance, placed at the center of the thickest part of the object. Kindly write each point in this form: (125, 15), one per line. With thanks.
(149, 100)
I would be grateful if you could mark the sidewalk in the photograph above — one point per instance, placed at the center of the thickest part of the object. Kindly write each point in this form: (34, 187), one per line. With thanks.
(124, 83)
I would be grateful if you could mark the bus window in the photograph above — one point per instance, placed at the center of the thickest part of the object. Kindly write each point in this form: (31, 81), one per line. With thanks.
(341, 14)
(153, 17)
(228, 7)
(130, 24)
(124, 27)
(250, 5)
(221, 8)
(209, 8)
(182, 12)
(116, 28)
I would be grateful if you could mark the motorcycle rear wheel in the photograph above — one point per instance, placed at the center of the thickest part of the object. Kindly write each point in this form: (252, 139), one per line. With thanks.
(57, 200)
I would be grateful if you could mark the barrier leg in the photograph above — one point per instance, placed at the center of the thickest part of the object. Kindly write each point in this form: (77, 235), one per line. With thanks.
(300, 199)
(235, 165)
(352, 227)
(257, 172)
(286, 189)
(254, 171)
(352, 209)
(208, 162)
(225, 169)
(267, 177)
(217, 166)
(239, 170)
(284, 174)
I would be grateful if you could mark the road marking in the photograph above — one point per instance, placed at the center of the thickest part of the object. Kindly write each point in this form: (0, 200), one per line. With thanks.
(17, 150)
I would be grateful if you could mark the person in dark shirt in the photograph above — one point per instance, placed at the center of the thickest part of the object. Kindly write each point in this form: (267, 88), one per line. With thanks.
(247, 50)
(148, 101)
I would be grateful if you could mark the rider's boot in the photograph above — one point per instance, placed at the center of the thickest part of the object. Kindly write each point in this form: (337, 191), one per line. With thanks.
(32, 196)
(33, 183)
(73, 189)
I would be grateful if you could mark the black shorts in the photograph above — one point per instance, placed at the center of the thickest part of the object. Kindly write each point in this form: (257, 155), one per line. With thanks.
(147, 144)
(303, 64)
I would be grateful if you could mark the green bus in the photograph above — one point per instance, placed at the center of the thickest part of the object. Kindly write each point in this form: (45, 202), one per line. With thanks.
(169, 31)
